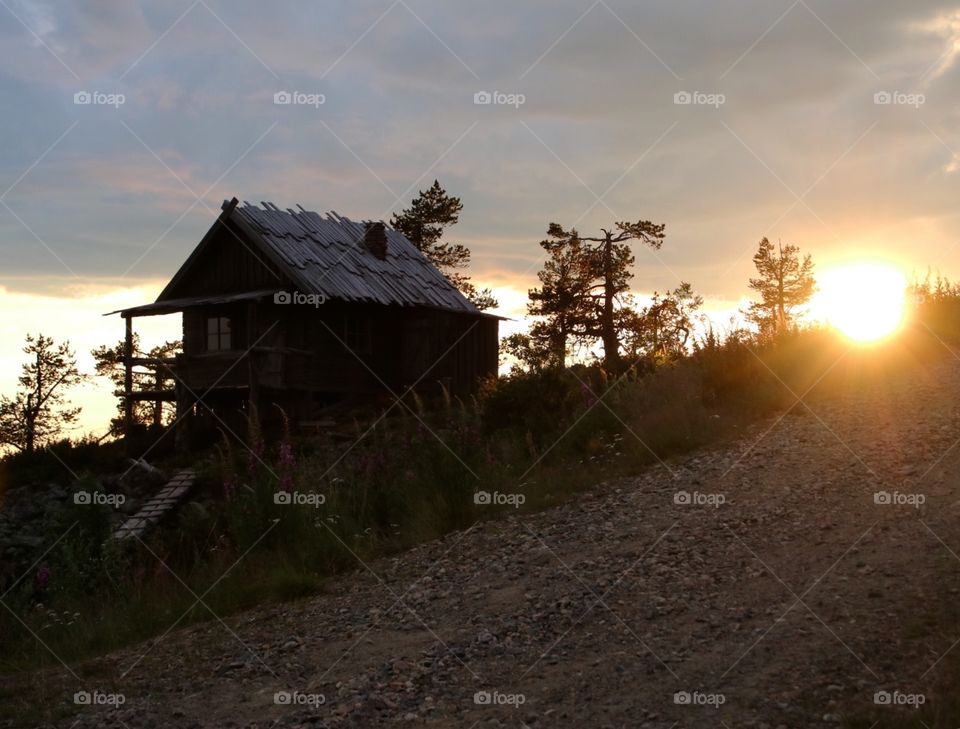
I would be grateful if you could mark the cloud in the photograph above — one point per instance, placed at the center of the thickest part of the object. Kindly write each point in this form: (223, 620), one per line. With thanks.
(106, 33)
(39, 18)
(598, 121)
(945, 27)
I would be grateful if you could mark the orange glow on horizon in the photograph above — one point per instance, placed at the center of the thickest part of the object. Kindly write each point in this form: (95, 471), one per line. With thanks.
(865, 301)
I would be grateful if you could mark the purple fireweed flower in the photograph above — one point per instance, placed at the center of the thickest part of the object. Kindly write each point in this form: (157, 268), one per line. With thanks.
(229, 487)
(589, 399)
(286, 455)
(254, 457)
(287, 463)
(42, 578)
(252, 463)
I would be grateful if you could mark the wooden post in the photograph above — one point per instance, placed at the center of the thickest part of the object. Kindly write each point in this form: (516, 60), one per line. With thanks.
(253, 381)
(128, 377)
(181, 428)
(158, 404)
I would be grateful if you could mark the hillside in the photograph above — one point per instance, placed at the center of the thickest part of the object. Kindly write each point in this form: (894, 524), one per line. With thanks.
(790, 604)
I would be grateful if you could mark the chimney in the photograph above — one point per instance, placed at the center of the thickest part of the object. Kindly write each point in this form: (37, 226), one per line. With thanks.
(375, 239)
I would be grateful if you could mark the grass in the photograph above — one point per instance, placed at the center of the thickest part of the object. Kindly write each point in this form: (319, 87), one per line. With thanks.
(410, 479)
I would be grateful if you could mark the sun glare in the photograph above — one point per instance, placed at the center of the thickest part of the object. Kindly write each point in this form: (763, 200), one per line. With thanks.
(865, 301)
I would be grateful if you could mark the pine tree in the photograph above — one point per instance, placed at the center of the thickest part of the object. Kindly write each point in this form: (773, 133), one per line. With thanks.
(561, 301)
(39, 412)
(424, 223)
(608, 259)
(785, 283)
(662, 330)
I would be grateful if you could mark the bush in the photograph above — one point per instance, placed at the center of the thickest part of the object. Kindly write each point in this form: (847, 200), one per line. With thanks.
(536, 402)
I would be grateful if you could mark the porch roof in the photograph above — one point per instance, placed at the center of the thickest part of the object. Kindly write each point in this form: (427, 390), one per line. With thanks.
(171, 306)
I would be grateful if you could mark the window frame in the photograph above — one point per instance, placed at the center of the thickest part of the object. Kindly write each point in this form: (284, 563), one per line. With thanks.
(219, 333)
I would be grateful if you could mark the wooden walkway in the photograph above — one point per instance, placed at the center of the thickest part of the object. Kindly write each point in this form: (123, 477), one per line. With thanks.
(155, 508)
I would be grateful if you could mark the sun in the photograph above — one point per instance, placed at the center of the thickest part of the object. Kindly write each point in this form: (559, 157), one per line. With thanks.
(864, 301)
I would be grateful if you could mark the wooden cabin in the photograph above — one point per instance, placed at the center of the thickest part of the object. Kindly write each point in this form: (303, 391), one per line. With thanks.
(303, 310)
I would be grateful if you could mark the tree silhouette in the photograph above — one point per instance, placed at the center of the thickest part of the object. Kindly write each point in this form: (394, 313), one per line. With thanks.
(38, 411)
(562, 298)
(531, 349)
(424, 223)
(607, 259)
(109, 363)
(662, 330)
(785, 283)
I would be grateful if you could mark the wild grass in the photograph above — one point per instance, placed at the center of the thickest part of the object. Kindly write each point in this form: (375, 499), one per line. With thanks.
(402, 479)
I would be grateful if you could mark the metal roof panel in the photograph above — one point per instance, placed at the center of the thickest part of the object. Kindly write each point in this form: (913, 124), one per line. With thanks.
(330, 256)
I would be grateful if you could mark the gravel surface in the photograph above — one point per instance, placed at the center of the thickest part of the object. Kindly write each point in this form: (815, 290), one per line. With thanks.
(757, 585)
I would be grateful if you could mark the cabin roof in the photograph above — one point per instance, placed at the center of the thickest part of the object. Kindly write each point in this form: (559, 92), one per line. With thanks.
(326, 255)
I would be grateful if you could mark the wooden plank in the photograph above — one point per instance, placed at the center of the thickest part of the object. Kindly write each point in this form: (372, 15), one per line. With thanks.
(127, 375)
(159, 505)
(151, 395)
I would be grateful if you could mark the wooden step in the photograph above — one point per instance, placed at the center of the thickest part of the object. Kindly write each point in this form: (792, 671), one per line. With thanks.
(156, 507)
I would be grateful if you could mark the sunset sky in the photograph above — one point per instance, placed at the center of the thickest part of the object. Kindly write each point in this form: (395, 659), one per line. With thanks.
(832, 125)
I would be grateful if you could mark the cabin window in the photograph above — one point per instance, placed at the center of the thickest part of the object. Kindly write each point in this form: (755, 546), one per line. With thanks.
(218, 334)
(358, 333)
